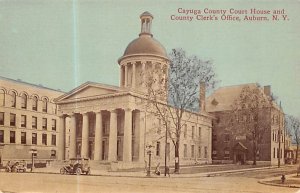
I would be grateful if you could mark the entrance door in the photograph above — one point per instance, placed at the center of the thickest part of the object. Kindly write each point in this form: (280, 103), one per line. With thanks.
(103, 150)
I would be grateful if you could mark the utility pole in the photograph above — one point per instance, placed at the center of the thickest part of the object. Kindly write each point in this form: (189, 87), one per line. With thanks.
(279, 139)
(166, 141)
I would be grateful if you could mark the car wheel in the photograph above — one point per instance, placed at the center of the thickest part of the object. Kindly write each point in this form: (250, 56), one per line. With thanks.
(13, 170)
(88, 172)
(78, 171)
(62, 171)
(7, 169)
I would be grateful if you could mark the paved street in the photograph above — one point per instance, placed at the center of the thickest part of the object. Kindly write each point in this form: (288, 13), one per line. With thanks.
(55, 183)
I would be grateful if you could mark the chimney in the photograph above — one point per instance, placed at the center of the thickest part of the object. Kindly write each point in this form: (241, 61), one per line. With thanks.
(202, 96)
(267, 90)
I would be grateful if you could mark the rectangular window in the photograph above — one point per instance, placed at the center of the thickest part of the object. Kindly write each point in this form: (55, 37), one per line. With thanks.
(23, 120)
(185, 150)
(53, 124)
(44, 124)
(158, 148)
(199, 131)
(199, 151)
(185, 130)
(159, 126)
(1, 136)
(168, 151)
(193, 131)
(53, 153)
(192, 151)
(214, 137)
(34, 122)
(105, 127)
(205, 152)
(226, 154)
(226, 137)
(53, 140)
(34, 139)
(23, 137)
(44, 139)
(12, 137)
(12, 119)
(1, 118)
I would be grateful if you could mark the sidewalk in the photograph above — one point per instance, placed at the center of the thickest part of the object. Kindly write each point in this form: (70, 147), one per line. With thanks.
(140, 174)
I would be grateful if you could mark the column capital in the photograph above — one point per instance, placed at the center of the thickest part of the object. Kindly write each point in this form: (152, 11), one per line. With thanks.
(127, 109)
(112, 110)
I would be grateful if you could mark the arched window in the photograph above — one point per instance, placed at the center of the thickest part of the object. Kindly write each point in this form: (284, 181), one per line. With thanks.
(45, 105)
(34, 103)
(2, 98)
(13, 97)
(23, 101)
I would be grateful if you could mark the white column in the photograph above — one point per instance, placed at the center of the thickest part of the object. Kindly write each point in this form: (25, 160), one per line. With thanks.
(209, 151)
(126, 76)
(142, 120)
(127, 143)
(121, 76)
(143, 74)
(61, 143)
(72, 149)
(98, 137)
(133, 74)
(85, 136)
(112, 151)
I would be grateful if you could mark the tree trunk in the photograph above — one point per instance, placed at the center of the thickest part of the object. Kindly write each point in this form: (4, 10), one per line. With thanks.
(254, 153)
(297, 154)
(176, 171)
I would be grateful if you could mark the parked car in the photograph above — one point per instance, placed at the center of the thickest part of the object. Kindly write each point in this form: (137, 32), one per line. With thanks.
(18, 166)
(77, 166)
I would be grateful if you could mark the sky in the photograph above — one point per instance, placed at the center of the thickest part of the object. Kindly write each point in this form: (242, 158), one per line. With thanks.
(64, 43)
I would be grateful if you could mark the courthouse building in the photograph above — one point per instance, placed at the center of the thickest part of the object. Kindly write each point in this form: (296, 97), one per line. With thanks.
(28, 120)
(112, 124)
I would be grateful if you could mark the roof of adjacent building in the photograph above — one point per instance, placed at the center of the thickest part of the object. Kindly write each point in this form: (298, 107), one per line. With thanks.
(19, 81)
(223, 98)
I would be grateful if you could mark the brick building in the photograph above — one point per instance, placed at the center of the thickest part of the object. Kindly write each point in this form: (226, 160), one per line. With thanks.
(231, 143)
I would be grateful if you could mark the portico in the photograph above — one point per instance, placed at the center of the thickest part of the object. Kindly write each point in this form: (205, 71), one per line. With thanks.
(105, 124)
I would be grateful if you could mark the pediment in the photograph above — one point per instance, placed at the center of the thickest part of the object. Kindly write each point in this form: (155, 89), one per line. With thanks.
(88, 90)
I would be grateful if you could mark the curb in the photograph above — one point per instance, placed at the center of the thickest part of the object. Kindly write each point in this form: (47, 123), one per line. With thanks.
(278, 185)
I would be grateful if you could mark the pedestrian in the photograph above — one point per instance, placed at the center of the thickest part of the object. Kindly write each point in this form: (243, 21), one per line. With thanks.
(157, 171)
(167, 170)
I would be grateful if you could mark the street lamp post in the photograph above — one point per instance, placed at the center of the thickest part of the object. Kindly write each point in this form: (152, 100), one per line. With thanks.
(33, 153)
(1, 147)
(149, 165)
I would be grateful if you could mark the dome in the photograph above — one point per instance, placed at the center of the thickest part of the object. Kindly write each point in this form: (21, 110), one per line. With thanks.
(145, 44)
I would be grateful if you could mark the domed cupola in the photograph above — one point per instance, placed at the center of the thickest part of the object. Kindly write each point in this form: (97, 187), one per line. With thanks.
(141, 55)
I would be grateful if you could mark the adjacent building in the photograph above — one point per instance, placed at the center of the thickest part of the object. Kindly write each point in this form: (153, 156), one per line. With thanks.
(28, 120)
(232, 146)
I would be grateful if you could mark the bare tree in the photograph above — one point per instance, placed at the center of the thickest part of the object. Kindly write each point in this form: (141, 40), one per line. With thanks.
(293, 126)
(249, 116)
(171, 97)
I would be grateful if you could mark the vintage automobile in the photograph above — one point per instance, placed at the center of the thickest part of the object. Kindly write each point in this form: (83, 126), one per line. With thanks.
(77, 166)
(18, 166)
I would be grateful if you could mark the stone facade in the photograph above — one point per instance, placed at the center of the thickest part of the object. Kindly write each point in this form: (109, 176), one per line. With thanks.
(112, 124)
(28, 120)
(230, 147)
